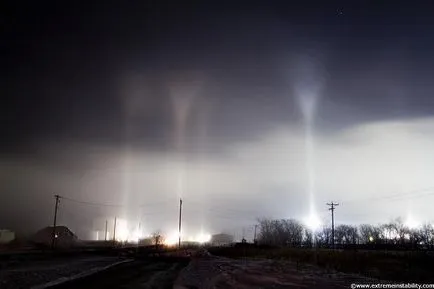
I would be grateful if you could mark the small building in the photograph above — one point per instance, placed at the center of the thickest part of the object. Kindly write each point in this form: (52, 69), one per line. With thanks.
(146, 242)
(64, 237)
(6, 236)
(191, 244)
(221, 239)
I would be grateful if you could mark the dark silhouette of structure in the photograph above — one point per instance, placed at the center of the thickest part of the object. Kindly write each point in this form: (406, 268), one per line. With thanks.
(332, 209)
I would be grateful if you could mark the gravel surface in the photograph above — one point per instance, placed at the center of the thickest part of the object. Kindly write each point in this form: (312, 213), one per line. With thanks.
(20, 276)
(224, 273)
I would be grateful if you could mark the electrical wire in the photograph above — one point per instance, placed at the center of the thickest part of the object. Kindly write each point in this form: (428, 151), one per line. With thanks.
(89, 203)
(218, 208)
(397, 196)
(111, 205)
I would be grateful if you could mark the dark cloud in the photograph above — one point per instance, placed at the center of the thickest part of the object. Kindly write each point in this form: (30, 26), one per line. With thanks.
(66, 64)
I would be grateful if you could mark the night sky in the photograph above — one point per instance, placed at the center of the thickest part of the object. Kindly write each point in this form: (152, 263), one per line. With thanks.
(130, 106)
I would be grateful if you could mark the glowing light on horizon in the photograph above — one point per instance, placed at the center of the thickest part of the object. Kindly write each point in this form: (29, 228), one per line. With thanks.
(172, 239)
(125, 234)
(135, 236)
(121, 230)
(411, 223)
(203, 238)
(313, 222)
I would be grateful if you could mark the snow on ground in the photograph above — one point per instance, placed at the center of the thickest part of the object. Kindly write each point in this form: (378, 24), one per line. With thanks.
(223, 273)
(34, 273)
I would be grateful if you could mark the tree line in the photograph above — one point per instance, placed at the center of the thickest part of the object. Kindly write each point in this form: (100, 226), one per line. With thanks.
(291, 232)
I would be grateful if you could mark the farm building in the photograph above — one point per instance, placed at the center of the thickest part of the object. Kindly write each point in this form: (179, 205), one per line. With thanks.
(64, 237)
(6, 236)
(221, 239)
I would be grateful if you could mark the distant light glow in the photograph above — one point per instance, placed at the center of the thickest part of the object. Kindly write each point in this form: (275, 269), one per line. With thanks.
(203, 238)
(135, 236)
(411, 223)
(313, 222)
(371, 239)
(172, 239)
(125, 234)
(121, 230)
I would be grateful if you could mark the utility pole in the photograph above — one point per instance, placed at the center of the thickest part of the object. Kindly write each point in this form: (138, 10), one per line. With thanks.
(254, 236)
(114, 232)
(105, 236)
(139, 235)
(53, 236)
(180, 219)
(332, 209)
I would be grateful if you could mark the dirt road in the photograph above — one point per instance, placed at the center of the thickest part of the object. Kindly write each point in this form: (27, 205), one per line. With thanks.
(154, 273)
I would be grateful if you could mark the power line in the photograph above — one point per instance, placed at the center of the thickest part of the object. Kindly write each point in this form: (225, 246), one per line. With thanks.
(214, 208)
(222, 215)
(154, 204)
(90, 203)
(111, 205)
(397, 196)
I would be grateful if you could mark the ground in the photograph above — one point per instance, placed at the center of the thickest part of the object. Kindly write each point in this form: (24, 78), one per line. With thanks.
(151, 273)
(224, 273)
(31, 271)
(201, 271)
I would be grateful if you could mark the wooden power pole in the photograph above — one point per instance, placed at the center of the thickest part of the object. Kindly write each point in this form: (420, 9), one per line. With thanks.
(114, 231)
(254, 236)
(54, 235)
(332, 209)
(105, 235)
(180, 222)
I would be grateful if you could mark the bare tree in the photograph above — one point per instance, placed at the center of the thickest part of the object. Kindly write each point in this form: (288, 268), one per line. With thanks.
(387, 233)
(394, 232)
(290, 232)
(426, 233)
(401, 231)
(370, 234)
(324, 236)
(280, 232)
(266, 233)
(157, 238)
(346, 234)
(307, 237)
(294, 232)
